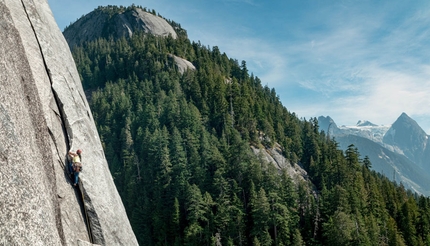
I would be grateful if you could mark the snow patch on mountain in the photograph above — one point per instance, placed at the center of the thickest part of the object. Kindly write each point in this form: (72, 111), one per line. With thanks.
(367, 130)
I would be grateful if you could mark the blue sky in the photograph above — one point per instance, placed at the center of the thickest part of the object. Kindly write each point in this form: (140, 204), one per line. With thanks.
(349, 59)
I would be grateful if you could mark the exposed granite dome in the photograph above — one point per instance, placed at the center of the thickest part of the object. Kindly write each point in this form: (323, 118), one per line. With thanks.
(116, 23)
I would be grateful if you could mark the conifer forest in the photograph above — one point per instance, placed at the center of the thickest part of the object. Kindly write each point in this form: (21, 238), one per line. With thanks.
(179, 149)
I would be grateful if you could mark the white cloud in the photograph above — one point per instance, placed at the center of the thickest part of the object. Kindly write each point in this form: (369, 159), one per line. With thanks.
(380, 99)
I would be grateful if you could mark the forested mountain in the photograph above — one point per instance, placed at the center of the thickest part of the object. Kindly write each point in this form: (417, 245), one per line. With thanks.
(178, 146)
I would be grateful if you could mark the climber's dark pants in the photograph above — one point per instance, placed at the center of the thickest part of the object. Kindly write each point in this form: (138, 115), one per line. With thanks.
(70, 166)
(76, 178)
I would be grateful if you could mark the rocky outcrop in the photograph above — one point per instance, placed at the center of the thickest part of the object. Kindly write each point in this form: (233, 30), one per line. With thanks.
(182, 64)
(43, 114)
(274, 156)
(106, 22)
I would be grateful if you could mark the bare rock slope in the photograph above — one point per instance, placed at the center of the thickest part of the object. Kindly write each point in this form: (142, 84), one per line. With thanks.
(274, 156)
(43, 114)
(113, 22)
(182, 64)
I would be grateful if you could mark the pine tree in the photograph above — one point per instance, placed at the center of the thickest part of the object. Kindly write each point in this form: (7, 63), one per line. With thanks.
(260, 211)
(338, 229)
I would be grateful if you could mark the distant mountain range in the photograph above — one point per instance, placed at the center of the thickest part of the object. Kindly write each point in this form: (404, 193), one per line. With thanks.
(400, 151)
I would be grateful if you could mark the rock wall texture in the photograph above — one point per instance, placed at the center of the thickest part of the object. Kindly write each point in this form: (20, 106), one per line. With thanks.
(43, 114)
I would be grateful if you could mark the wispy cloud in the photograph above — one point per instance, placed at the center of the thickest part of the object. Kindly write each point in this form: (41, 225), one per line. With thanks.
(364, 72)
(352, 67)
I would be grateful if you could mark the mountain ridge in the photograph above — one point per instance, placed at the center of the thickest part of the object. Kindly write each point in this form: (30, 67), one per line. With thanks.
(403, 141)
(365, 123)
(406, 135)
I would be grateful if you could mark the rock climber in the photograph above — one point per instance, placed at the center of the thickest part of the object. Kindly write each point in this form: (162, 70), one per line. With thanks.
(76, 166)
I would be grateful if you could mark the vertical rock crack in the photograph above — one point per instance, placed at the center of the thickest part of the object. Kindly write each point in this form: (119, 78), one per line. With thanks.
(62, 117)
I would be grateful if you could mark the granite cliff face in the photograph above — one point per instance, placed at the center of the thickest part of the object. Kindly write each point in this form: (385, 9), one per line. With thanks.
(43, 114)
